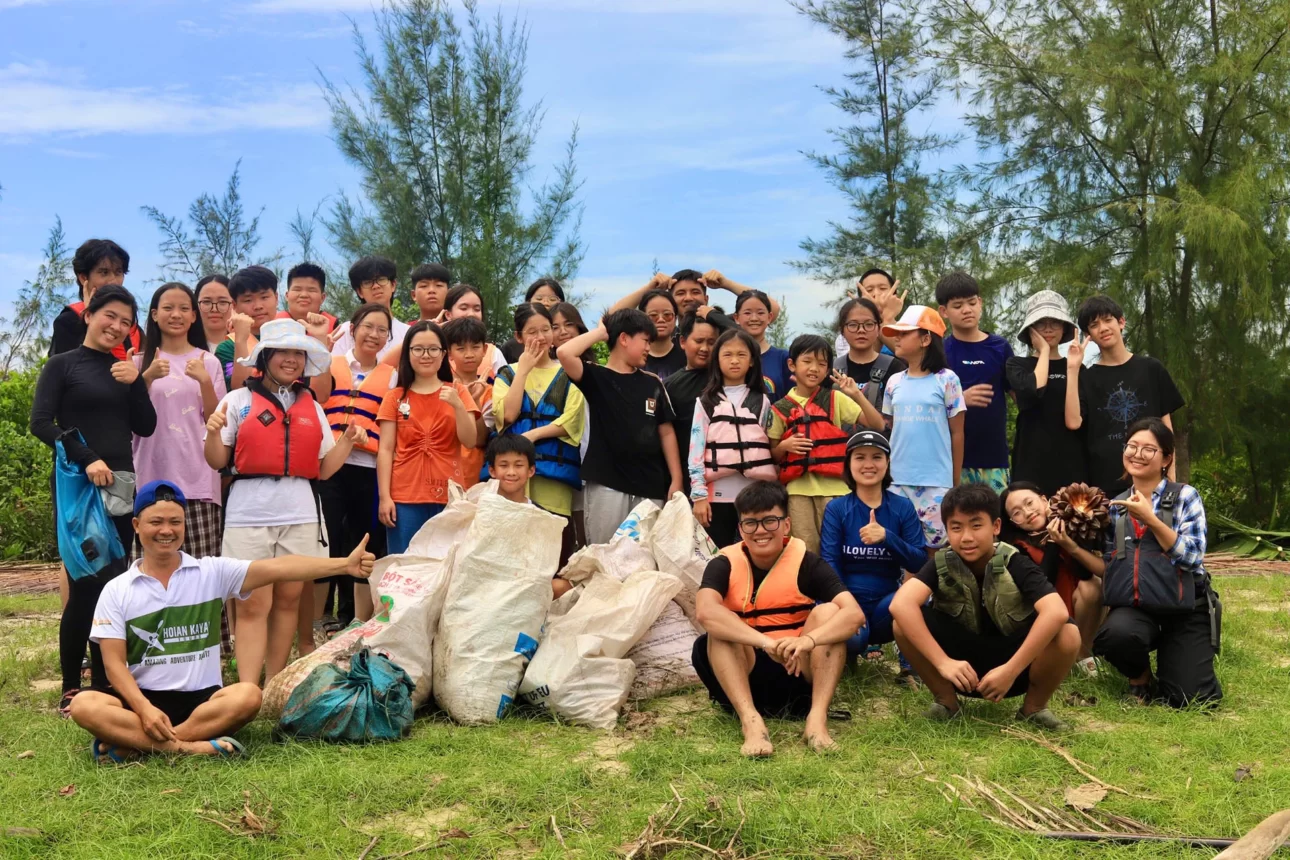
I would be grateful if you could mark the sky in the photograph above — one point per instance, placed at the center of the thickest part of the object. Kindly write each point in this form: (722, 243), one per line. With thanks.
(693, 116)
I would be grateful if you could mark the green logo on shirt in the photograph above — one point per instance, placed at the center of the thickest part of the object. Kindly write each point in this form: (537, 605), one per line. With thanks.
(173, 631)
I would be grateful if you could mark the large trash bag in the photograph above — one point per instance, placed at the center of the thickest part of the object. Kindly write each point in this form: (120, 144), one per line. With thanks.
(87, 538)
(370, 702)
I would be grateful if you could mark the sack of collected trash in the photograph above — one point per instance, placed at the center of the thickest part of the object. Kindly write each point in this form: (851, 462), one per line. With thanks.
(681, 547)
(580, 673)
(663, 655)
(639, 524)
(498, 595)
(619, 558)
(371, 701)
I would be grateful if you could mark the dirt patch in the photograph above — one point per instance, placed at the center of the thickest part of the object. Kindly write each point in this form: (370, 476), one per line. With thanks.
(423, 823)
(1270, 607)
(604, 752)
(44, 685)
(1095, 726)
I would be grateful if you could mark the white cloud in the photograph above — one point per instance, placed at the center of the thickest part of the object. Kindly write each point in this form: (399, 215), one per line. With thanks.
(36, 99)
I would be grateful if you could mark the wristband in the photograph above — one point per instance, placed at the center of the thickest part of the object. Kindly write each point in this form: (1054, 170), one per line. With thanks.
(814, 644)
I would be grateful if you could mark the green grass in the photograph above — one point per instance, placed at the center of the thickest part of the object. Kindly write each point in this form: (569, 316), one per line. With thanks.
(503, 784)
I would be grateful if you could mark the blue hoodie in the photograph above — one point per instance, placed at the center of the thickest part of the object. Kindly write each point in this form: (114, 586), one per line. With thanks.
(872, 572)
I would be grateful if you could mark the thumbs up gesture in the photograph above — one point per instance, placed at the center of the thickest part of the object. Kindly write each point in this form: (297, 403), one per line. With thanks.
(872, 533)
(360, 561)
(125, 372)
(216, 422)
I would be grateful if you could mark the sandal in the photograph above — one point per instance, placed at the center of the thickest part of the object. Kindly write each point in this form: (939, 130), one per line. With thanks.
(65, 703)
(873, 654)
(237, 750)
(111, 754)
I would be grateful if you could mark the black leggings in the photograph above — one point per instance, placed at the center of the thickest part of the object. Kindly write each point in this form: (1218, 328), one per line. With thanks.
(349, 500)
(78, 617)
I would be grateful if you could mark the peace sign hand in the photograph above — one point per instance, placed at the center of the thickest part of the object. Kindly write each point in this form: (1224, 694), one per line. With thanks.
(1075, 352)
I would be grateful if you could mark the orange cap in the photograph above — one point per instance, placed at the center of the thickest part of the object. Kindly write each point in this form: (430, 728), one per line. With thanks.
(916, 317)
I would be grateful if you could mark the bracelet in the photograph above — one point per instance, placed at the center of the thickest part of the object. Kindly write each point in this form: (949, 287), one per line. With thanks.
(814, 644)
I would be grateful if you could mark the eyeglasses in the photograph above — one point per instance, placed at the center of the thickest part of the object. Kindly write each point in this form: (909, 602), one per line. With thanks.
(768, 523)
(857, 327)
(379, 331)
(383, 283)
(220, 305)
(663, 316)
(423, 351)
(1147, 451)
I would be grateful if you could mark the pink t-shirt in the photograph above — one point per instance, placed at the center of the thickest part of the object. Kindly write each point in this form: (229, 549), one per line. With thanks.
(176, 451)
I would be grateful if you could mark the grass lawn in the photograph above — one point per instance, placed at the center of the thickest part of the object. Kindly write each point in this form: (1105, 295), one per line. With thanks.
(503, 786)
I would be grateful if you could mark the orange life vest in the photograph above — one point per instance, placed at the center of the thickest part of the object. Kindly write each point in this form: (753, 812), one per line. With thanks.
(131, 341)
(827, 456)
(350, 404)
(331, 320)
(271, 443)
(777, 608)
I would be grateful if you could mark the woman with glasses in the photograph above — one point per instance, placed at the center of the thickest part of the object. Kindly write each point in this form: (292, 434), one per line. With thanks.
(352, 390)
(424, 422)
(864, 361)
(1160, 595)
(665, 355)
(214, 309)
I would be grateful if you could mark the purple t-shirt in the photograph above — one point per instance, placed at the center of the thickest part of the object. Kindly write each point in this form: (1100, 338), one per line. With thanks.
(985, 428)
(176, 451)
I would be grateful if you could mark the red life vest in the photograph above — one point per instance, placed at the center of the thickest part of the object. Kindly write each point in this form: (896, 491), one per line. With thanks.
(331, 320)
(827, 456)
(777, 608)
(349, 404)
(131, 341)
(737, 443)
(274, 444)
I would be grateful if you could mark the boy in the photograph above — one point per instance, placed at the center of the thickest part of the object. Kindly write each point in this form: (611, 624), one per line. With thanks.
(1119, 389)
(306, 287)
(373, 279)
(465, 338)
(97, 263)
(979, 360)
(512, 462)
(633, 454)
(698, 337)
(995, 627)
(689, 290)
(808, 434)
(777, 618)
(254, 291)
(429, 288)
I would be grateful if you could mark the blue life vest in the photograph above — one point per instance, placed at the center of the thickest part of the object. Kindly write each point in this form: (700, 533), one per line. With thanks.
(556, 458)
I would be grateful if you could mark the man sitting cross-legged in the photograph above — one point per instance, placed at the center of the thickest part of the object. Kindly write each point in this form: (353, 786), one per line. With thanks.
(995, 626)
(778, 618)
(158, 626)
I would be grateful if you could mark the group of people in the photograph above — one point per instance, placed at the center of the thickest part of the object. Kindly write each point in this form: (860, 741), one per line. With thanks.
(857, 495)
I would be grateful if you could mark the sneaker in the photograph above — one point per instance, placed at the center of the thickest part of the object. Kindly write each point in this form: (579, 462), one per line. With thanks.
(1140, 693)
(1045, 719)
(941, 713)
(1088, 666)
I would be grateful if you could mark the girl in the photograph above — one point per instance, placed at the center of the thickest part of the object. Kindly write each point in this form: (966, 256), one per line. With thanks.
(1074, 571)
(352, 390)
(729, 448)
(89, 390)
(215, 308)
(274, 432)
(566, 324)
(926, 406)
(465, 300)
(864, 361)
(1160, 596)
(1044, 451)
(753, 315)
(665, 356)
(535, 399)
(424, 423)
(871, 536)
(546, 292)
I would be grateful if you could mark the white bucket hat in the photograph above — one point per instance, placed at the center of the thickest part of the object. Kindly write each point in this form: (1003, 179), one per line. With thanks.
(290, 334)
(1044, 305)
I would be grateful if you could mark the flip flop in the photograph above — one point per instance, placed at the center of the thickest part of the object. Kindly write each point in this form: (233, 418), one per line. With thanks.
(65, 704)
(111, 753)
(237, 750)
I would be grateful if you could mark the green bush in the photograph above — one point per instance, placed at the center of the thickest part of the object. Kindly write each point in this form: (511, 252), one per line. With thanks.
(26, 510)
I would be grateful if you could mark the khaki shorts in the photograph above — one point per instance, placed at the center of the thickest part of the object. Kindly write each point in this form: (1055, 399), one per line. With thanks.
(251, 543)
(807, 513)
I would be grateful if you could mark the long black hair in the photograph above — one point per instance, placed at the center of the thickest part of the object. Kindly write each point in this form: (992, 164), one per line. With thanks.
(526, 312)
(407, 375)
(456, 291)
(152, 334)
(712, 390)
(571, 314)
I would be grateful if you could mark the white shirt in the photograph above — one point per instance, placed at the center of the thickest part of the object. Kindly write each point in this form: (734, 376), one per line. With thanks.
(358, 457)
(171, 632)
(345, 341)
(269, 501)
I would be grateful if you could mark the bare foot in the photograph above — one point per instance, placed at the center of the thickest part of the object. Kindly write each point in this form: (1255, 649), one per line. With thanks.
(817, 737)
(205, 747)
(756, 739)
(106, 753)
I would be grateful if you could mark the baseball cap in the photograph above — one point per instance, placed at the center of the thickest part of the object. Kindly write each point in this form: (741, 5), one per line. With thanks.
(917, 317)
(157, 491)
(869, 439)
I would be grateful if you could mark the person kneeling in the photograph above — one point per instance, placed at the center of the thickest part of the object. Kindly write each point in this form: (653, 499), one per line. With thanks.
(995, 627)
(158, 627)
(512, 460)
(778, 618)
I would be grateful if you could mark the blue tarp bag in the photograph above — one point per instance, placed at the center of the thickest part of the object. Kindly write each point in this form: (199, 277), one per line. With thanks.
(370, 702)
(87, 539)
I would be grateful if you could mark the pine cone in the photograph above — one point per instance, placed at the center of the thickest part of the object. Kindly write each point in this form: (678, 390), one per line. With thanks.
(1084, 511)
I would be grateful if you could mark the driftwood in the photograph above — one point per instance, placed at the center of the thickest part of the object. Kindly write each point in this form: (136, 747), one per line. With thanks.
(1261, 842)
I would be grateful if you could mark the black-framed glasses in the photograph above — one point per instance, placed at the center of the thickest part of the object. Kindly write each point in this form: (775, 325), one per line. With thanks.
(220, 305)
(383, 283)
(749, 526)
(419, 351)
(857, 327)
(1147, 451)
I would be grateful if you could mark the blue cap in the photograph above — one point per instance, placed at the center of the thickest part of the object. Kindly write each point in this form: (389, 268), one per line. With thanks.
(869, 439)
(157, 491)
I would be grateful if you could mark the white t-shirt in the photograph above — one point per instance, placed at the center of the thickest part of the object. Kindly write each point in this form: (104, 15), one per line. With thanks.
(171, 632)
(345, 341)
(269, 501)
(358, 457)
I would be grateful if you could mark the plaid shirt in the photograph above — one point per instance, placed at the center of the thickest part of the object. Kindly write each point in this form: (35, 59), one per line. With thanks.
(1188, 552)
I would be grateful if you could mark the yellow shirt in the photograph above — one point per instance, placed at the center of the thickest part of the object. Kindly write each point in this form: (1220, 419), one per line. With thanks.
(846, 412)
(554, 496)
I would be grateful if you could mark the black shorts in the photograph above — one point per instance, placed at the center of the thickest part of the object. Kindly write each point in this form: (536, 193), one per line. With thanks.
(983, 653)
(775, 693)
(178, 705)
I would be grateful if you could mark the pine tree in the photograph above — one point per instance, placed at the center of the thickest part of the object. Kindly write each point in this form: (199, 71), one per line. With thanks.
(24, 337)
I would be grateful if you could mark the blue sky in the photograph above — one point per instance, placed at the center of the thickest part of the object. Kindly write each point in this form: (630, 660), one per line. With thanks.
(693, 113)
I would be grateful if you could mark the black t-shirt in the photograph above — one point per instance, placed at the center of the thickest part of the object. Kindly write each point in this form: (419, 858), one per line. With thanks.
(1110, 399)
(683, 389)
(625, 453)
(1031, 582)
(665, 366)
(861, 372)
(512, 350)
(1043, 450)
(815, 578)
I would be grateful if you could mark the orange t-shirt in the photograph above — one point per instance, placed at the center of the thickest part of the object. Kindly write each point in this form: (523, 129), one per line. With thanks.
(427, 453)
(472, 459)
